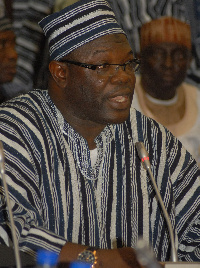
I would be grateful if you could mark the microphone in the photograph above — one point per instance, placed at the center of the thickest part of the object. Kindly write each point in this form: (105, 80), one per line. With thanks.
(141, 249)
(14, 236)
(146, 256)
(144, 156)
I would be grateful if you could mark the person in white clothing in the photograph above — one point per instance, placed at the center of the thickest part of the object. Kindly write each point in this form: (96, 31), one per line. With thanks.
(160, 91)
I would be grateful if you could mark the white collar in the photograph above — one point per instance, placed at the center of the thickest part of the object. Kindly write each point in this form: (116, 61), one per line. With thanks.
(162, 102)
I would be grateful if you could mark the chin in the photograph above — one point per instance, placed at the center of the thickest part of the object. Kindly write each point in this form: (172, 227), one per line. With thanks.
(7, 79)
(118, 120)
(110, 117)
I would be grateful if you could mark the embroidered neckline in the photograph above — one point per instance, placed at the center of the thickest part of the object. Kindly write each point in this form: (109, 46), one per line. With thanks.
(79, 147)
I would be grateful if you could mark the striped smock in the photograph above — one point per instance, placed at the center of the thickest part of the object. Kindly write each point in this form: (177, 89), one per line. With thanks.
(58, 196)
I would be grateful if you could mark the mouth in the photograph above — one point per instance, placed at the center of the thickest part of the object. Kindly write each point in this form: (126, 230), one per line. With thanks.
(169, 76)
(120, 101)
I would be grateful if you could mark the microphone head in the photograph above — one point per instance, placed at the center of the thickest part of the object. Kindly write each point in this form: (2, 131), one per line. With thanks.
(2, 159)
(143, 154)
(145, 255)
(1, 152)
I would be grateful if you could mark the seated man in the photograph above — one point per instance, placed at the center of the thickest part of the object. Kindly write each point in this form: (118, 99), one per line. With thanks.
(8, 55)
(73, 171)
(161, 92)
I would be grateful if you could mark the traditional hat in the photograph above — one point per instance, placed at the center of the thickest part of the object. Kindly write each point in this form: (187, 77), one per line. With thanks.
(5, 24)
(77, 25)
(165, 29)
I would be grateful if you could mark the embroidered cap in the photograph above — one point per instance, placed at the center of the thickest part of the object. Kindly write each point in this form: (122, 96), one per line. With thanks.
(78, 24)
(165, 29)
(5, 24)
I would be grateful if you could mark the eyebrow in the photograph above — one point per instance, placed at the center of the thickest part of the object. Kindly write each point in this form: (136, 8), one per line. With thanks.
(103, 51)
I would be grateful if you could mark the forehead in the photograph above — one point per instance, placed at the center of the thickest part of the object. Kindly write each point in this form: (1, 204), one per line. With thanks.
(103, 45)
(167, 46)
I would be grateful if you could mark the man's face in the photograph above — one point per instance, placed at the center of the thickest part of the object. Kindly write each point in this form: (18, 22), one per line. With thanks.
(164, 67)
(96, 98)
(8, 56)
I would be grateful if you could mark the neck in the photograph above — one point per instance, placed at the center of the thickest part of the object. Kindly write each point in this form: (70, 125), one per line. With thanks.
(89, 133)
(168, 102)
(88, 129)
(159, 92)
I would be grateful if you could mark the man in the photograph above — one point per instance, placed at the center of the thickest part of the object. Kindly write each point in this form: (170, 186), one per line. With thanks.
(29, 42)
(132, 14)
(160, 91)
(74, 174)
(8, 54)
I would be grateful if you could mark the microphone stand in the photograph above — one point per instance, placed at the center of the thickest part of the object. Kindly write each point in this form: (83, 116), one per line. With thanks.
(145, 158)
(143, 154)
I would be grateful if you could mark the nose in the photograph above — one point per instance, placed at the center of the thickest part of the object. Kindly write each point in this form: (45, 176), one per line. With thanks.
(168, 61)
(121, 76)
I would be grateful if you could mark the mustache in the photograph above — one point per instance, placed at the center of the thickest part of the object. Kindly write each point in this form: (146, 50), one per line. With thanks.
(120, 91)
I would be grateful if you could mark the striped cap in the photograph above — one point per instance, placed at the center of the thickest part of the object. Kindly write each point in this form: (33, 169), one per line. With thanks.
(165, 29)
(5, 24)
(77, 25)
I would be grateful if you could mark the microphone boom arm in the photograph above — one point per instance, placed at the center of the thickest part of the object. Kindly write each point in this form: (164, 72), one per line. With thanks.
(143, 154)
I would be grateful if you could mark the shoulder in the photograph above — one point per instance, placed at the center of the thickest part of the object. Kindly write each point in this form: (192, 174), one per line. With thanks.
(25, 111)
(191, 90)
(145, 124)
(28, 102)
(160, 142)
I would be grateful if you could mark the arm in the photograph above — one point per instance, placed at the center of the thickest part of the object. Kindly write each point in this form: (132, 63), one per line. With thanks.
(30, 226)
(116, 258)
(186, 188)
(26, 193)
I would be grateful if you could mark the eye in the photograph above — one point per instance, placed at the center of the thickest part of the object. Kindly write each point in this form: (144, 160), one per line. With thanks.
(179, 55)
(132, 65)
(159, 55)
(103, 66)
(103, 69)
(7, 43)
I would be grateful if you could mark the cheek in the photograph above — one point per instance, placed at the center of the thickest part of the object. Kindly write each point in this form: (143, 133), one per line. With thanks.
(88, 90)
(181, 68)
(93, 89)
(88, 97)
(3, 58)
(91, 96)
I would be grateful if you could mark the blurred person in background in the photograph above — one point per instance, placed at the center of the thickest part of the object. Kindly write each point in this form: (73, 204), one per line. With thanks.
(60, 4)
(160, 91)
(132, 14)
(8, 55)
(25, 15)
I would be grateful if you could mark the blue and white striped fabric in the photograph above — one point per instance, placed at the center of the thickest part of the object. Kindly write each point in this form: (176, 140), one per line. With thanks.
(77, 25)
(57, 196)
(5, 24)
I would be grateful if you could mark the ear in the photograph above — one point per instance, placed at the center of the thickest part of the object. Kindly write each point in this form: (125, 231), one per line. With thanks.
(59, 72)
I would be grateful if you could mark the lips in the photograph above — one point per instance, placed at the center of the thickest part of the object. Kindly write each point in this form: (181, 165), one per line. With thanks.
(119, 99)
(11, 69)
(120, 102)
